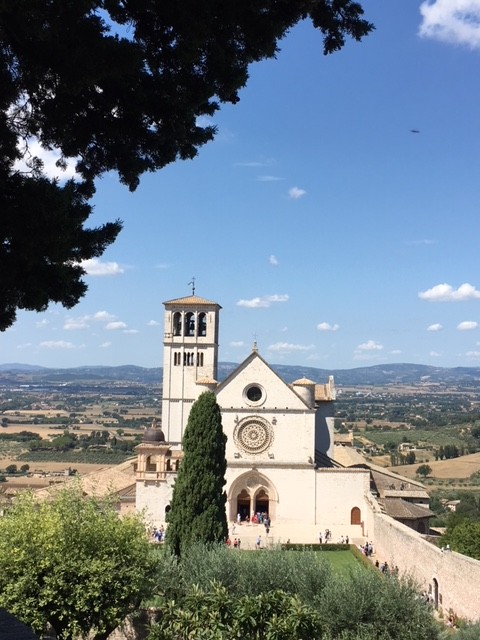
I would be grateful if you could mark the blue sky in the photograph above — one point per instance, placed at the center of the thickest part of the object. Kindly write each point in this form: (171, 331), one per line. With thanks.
(325, 228)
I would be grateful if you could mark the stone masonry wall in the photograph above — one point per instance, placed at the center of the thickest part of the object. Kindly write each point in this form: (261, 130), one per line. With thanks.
(457, 576)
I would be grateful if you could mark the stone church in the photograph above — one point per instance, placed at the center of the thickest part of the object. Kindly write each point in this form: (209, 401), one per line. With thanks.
(280, 450)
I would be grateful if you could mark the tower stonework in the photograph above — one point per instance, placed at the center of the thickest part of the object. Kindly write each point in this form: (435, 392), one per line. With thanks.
(190, 359)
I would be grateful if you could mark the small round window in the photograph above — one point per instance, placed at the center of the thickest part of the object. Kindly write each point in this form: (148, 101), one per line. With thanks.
(254, 394)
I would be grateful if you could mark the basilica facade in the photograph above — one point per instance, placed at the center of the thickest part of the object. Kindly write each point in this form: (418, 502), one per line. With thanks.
(280, 450)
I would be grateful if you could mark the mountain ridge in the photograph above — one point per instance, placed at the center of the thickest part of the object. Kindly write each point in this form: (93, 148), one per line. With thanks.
(401, 373)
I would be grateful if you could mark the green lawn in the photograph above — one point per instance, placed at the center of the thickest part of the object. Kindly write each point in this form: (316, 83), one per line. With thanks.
(341, 561)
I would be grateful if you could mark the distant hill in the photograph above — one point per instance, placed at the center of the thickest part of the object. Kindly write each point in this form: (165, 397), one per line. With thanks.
(377, 375)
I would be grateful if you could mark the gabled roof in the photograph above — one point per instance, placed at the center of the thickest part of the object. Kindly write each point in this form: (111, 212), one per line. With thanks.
(403, 510)
(13, 629)
(192, 300)
(110, 480)
(243, 365)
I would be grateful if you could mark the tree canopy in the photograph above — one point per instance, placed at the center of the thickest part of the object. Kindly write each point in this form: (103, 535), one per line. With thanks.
(73, 563)
(198, 501)
(116, 85)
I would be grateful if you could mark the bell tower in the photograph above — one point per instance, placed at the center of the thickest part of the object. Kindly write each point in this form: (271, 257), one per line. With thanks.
(190, 359)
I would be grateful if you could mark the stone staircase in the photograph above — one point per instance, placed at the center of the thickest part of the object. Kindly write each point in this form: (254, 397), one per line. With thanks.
(282, 533)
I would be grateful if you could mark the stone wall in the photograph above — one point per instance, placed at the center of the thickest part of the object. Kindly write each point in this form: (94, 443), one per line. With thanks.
(453, 580)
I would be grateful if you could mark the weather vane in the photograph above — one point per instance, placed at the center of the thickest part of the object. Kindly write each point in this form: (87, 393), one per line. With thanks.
(192, 284)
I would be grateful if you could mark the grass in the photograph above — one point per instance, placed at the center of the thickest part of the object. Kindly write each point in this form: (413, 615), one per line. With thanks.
(341, 561)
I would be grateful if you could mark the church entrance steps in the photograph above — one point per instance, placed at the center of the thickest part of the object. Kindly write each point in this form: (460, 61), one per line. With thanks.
(285, 532)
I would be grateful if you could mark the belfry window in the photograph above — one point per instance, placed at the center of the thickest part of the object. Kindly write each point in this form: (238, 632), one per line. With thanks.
(199, 359)
(202, 324)
(177, 324)
(188, 359)
(190, 324)
(177, 359)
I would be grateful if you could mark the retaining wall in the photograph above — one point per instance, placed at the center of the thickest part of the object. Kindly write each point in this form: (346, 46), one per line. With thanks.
(452, 579)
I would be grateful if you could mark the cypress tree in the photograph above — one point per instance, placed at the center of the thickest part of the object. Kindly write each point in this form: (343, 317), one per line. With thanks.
(198, 502)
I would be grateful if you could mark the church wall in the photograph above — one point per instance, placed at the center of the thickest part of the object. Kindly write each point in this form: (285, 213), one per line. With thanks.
(292, 440)
(153, 497)
(338, 491)
(324, 422)
(457, 576)
(278, 394)
(292, 489)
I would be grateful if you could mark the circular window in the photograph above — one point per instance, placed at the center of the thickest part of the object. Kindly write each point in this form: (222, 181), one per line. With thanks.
(254, 394)
(253, 435)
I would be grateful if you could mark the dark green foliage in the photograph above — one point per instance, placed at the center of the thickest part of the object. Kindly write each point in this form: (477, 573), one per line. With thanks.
(464, 538)
(198, 502)
(117, 85)
(377, 607)
(43, 265)
(302, 573)
(424, 470)
(221, 594)
(214, 614)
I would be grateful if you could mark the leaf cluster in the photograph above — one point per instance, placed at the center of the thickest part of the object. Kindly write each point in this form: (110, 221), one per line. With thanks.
(116, 85)
(73, 563)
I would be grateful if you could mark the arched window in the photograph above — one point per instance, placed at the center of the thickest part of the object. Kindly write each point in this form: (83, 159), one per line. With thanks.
(177, 324)
(190, 324)
(355, 516)
(202, 324)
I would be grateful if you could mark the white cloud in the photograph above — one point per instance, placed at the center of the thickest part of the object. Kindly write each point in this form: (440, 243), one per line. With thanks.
(435, 354)
(324, 326)
(467, 325)
(262, 302)
(295, 193)
(105, 345)
(114, 326)
(236, 343)
(396, 352)
(153, 323)
(370, 345)
(286, 347)
(25, 345)
(56, 344)
(453, 21)
(103, 316)
(255, 163)
(131, 331)
(71, 324)
(424, 241)
(273, 261)
(42, 323)
(435, 327)
(49, 159)
(94, 267)
(269, 179)
(446, 293)
(162, 265)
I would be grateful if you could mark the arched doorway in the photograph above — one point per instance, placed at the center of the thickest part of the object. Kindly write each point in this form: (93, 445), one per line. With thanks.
(355, 516)
(262, 502)
(243, 504)
(251, 491)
